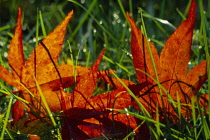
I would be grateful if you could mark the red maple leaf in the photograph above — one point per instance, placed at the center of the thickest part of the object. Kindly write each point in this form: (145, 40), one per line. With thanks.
(89, 117)
(166, 76)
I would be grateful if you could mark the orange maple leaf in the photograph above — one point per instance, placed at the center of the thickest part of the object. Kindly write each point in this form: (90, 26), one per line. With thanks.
(39, 66)
(171, 72)
(82, 112)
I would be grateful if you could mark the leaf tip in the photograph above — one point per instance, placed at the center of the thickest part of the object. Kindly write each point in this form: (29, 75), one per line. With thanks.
(19, 18)
(16, 48)
(19, 11)
(129, 17)
(191, 13)
(68, 17)
(98, 60)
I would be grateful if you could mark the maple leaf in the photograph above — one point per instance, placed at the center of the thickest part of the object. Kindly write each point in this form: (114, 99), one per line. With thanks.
(82, 112)
(171, 72)
(40, 65)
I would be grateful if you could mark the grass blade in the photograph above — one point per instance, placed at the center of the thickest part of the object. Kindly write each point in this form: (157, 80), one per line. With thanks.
(6, 119)
(48, 109)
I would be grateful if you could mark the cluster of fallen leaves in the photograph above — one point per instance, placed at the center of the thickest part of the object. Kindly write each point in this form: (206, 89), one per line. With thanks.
(163, 80)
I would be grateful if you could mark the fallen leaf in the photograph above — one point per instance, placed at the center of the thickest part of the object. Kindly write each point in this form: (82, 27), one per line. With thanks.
(81, 111)
(171, 70)
(39, 65)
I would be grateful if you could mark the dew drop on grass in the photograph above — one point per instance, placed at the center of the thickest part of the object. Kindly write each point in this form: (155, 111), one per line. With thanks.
(1, 43)
(118, 21)
(129, 54)
(82, 1)
(84, 50)
(94, 31)
(78, 45)
(5, 54)
(116, 16)
(126, 111)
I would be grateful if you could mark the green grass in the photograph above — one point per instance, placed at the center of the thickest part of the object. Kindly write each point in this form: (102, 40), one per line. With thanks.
(98, 24)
